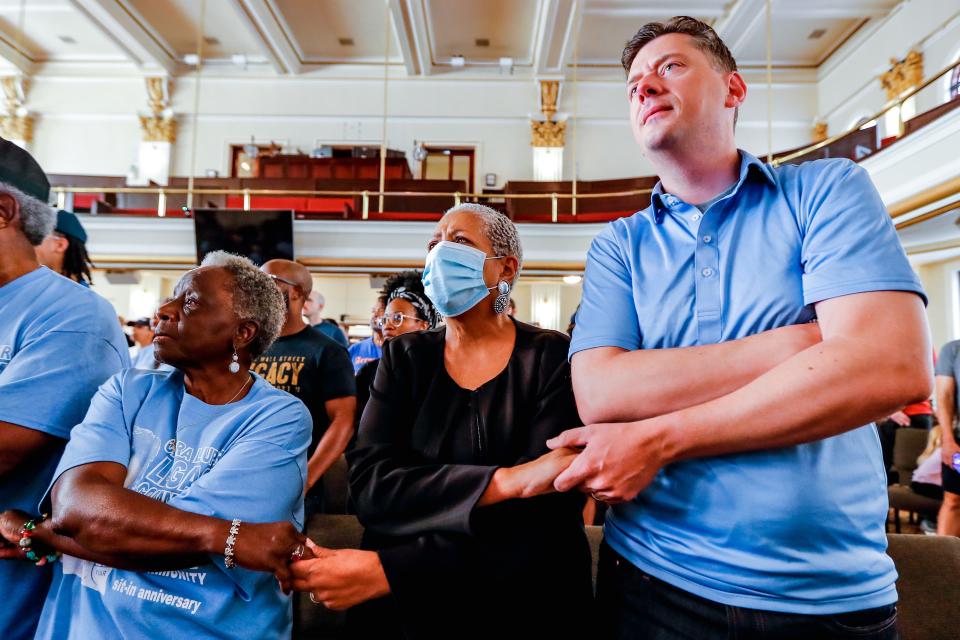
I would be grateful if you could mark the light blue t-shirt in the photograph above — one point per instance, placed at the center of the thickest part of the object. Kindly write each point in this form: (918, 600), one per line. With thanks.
(245, 459)
(363, 352)
(144, 359)
(59, 341)
(798, 529)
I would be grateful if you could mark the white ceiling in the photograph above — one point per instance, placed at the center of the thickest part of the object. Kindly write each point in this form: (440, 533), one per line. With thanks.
(542, 37)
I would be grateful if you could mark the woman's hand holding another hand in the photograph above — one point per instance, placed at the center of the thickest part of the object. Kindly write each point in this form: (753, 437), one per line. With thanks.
(340, 578)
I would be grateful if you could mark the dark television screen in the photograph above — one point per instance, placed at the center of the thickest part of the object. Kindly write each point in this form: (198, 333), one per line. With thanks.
(260, 235)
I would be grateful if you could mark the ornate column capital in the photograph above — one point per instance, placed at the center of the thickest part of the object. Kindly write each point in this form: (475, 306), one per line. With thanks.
(903, 74)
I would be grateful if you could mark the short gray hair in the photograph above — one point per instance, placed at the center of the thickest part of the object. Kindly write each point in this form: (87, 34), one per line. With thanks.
(499, 229)
(255, 297)
(36, 218)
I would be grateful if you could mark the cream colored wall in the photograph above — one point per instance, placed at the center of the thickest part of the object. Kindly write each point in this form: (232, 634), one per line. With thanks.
(941, 281)
(849, 87)
(96, 131)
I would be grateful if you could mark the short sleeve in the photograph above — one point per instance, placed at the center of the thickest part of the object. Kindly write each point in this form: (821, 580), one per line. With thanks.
(48, 384)
(102, 436)
(849, 242)
(608, 314)
(945, 362)
(337, 374)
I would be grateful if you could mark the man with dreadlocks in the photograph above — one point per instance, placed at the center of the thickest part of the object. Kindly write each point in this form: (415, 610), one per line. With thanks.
(65, 250)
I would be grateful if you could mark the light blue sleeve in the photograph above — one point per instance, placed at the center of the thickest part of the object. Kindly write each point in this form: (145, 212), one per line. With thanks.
(255, 481)
(608, 314)
(849, 242)
(49, 382)
(102, 436)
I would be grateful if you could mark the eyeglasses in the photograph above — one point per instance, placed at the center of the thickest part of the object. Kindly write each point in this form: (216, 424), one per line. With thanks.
(285, 281)
(395, 319)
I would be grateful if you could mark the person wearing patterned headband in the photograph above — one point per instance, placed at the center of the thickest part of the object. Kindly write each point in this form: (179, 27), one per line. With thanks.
(408, 309)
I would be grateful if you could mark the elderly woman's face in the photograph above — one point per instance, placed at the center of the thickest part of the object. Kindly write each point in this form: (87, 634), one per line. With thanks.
(198, 324)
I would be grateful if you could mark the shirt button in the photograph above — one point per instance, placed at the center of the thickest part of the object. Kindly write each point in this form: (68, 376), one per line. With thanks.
(697, 216)
(707, 239)
(707, 272)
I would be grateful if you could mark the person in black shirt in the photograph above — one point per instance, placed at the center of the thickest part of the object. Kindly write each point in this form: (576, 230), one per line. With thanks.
(451, 476)
(312, 367)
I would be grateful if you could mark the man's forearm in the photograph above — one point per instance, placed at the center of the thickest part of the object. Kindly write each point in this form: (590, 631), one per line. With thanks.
(945, 419)
(614, 385)
(331, 446)
(823, 391)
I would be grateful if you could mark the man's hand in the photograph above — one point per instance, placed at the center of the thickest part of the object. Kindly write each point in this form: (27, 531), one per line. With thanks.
(617, 462)
(341, 578)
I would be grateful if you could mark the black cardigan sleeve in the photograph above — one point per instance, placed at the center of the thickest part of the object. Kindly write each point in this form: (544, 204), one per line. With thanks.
(396, 490)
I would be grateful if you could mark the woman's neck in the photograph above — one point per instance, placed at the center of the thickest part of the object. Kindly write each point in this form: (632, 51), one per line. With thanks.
(477, 324)
(216, 385)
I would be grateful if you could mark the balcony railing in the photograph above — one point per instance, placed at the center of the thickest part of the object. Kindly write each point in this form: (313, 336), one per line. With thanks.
(568, 201)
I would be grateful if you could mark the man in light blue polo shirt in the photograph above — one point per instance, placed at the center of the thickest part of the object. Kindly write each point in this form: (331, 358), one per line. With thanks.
(724, 428)
(58, 342)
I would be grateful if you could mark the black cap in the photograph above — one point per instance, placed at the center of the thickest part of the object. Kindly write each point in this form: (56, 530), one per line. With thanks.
(69, 225)
(20, 170)
(139, 322)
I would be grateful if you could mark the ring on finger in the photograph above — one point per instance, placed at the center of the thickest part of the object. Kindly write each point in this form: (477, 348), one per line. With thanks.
(313, 599)
(297, 554)
(596, 497)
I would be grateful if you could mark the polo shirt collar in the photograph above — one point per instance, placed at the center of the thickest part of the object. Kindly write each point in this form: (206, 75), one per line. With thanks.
(748, 164)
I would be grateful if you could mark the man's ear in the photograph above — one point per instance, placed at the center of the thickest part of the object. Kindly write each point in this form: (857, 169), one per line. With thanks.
(9, 210)
(736, 90)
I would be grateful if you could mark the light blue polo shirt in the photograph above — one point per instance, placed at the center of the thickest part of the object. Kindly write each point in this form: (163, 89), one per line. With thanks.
(59, 341)
(245, 459)
(798, 529)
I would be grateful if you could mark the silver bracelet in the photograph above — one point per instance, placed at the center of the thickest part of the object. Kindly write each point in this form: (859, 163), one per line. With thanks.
(228, 559)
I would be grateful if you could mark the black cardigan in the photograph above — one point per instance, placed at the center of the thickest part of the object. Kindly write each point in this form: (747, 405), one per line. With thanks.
(425, 453)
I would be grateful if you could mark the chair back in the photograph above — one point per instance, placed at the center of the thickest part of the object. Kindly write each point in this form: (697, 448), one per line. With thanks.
(908, 444)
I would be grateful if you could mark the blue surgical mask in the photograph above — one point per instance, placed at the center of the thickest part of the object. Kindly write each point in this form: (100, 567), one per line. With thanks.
(453, 278)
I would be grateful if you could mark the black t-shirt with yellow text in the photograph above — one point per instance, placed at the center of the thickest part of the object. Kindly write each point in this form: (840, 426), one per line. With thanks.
(312, 367)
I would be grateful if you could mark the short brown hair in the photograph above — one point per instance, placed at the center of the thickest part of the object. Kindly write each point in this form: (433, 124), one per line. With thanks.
(705, 39)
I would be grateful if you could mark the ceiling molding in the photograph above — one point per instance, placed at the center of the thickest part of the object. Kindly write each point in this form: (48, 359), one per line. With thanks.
(406, 34)
(124, 26)
(658, 10)
(556, 34)
(738, 25)
(277, 43)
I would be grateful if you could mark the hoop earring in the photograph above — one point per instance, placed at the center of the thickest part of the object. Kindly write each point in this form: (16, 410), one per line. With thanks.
(235, 365)
(503, 297)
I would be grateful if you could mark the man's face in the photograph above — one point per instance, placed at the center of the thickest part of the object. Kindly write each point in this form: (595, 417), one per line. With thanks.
(142, 335)
(677, 95)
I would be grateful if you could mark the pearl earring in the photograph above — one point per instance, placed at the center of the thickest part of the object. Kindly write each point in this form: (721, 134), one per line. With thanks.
(235, 365)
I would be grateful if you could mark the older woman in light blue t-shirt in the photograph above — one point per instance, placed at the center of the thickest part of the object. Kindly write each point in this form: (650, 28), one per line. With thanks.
(180, 495)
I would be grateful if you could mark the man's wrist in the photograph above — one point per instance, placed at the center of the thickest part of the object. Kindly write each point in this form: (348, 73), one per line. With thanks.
(673, 446)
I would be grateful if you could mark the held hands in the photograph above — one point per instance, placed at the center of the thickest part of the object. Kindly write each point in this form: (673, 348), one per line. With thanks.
(536, 478)
(617, 462)
(268, 547)
(340, 578)
(901, 418)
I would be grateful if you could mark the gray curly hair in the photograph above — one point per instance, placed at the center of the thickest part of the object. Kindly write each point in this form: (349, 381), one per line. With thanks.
(499, 229)
(255, 297)
(37, 218)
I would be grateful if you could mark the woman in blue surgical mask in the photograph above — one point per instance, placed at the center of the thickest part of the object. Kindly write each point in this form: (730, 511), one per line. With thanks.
(451, 476)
